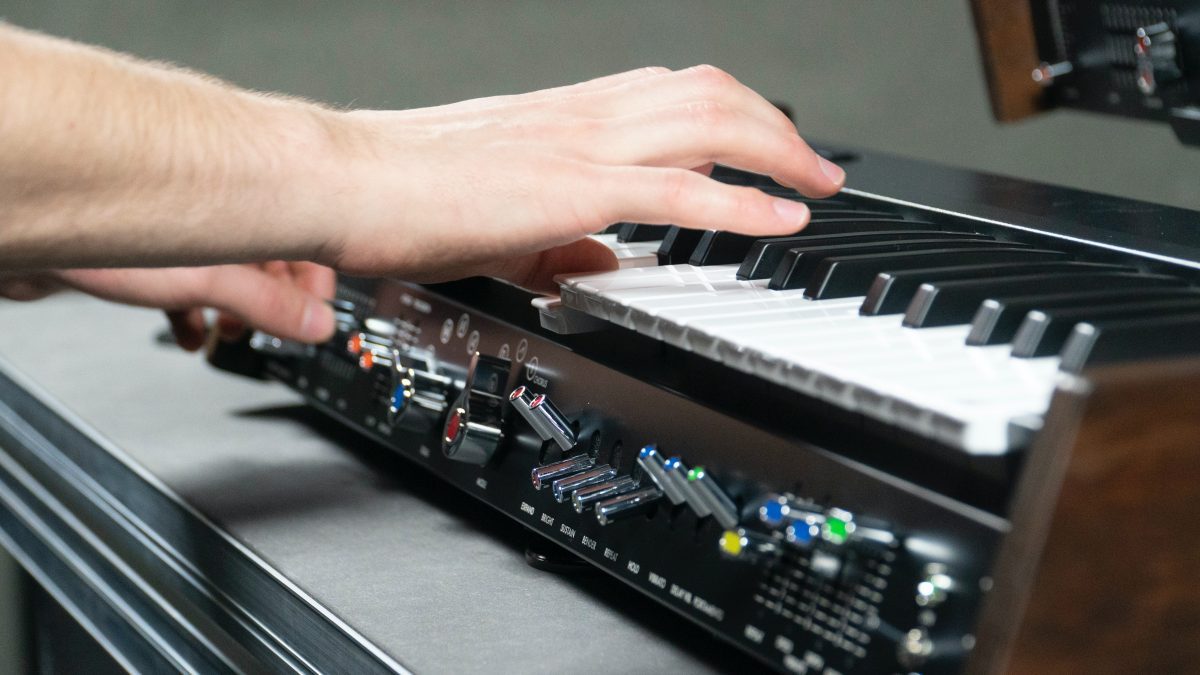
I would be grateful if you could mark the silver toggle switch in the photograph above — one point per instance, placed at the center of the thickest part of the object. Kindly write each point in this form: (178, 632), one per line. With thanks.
(742, 544)
(542, 476)
(584, 498)
(419, 393)
(652, 464)
(676, 474)
(626, 505)
(473, 429)
(547, 421)
(724, 511)
(564, 487)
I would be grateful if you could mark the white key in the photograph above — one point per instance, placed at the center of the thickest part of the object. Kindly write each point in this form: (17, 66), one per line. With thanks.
(926, 380)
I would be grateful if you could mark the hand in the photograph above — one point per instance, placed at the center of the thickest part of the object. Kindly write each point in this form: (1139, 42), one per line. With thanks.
(510, 186)
(284, 299)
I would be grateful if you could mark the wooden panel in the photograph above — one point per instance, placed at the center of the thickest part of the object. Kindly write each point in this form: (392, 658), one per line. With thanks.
(1009, 51)
(1114, 510)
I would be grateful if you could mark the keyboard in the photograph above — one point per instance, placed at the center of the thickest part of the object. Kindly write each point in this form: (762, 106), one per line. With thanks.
(837, 451)
(949, 327)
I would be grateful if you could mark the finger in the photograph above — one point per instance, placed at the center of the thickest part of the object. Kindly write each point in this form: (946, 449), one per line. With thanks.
(688, 199)
(536, 271)
(187, 325)
(700, 84)
(692, 134)
(27, 286)
(319, 280)
(229, 327)
(276, 268)
(277, 306)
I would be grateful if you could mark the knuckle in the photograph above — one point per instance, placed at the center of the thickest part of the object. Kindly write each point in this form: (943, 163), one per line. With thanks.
(713, 78)
(676, 187)
(748, 204)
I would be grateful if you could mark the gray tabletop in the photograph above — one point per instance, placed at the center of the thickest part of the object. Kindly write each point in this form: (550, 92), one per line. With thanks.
(436, 581)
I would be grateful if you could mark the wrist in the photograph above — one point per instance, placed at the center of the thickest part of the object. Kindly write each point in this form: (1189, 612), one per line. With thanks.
(300, 173)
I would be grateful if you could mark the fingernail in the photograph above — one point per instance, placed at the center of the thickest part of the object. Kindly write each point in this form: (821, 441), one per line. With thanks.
(317, 323)
(832, 171)
(793, 212)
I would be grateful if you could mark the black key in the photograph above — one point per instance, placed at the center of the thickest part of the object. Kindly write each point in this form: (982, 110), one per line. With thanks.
(641, 232)
(721, 248)
(677, 245)
(945, 303)
(1044, 331)
(726, 248)
(798, 264)
(1101, 342)
(765, 255)
(613, 229)
(997, 320)
(733, 176)
(891, 291)
(850, 275)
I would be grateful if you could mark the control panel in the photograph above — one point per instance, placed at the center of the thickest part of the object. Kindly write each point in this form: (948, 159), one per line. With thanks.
(809, 561)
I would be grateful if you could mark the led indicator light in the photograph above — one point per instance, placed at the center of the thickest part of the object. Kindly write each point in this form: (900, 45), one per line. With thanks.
(354, 344)
(838, 526)
(695, 473)
(802, 532)
(672, 464)
(732, 543)
(367, 360)
(646, 451)
(835, 530)
(772, 512)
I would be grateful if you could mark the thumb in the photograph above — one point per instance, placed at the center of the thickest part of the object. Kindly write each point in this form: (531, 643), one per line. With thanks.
(273, 304)
(536, 272)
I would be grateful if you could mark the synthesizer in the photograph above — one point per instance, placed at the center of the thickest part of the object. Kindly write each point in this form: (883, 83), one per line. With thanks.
(808, 445)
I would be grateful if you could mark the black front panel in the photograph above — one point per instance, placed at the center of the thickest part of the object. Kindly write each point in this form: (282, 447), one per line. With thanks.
(836, 604)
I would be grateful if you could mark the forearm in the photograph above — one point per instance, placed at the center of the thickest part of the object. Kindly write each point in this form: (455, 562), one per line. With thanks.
(112, 162)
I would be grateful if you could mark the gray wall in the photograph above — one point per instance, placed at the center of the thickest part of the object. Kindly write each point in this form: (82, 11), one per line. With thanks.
(900, 76)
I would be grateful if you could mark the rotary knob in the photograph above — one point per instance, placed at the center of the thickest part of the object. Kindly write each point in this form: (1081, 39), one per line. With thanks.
(473, 429)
